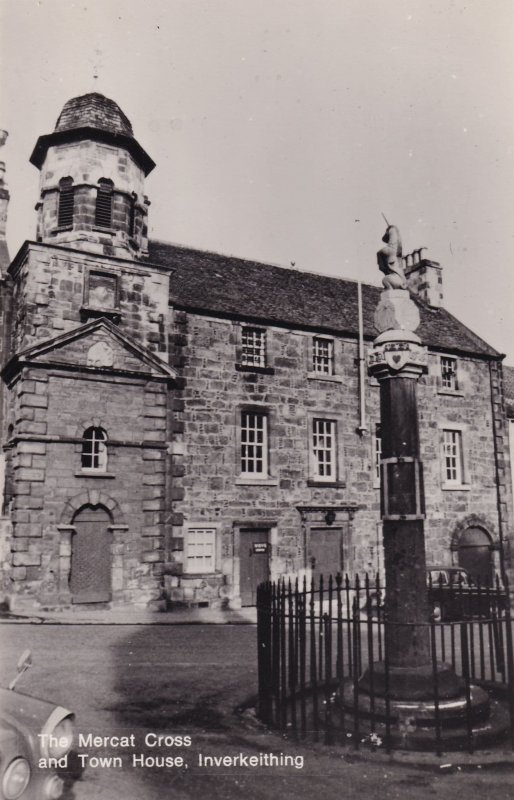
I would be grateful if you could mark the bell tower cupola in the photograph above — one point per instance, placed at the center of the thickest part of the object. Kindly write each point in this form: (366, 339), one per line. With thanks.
(92, 180)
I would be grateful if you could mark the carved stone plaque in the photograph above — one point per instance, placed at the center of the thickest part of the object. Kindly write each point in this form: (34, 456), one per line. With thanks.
(100, 355)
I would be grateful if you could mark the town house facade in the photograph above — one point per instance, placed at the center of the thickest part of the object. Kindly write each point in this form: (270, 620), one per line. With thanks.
(180, 425)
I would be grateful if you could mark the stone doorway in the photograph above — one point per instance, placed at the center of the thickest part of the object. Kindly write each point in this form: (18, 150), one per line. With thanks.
(327, 540)
(90, 574)
(325, 552)
(253, 563)
(474, 551)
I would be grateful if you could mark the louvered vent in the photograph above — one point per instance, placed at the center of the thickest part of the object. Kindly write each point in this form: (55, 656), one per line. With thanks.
(132, 217)
(103, 210)
(66, 203)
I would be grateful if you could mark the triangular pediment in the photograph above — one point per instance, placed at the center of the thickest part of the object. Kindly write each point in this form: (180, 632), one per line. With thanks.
(96, 346)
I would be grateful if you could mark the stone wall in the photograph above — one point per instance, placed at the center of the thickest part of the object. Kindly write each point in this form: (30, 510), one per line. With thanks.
(503, 463)
(49, 487)
(5, 561)
(469, 410)
(208, 490)
(50, 297)
(86, 163)
(155, 506)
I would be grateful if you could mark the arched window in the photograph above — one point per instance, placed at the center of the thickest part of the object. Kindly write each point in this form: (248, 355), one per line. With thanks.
(94, 449)
(103, 210)
(66, 203)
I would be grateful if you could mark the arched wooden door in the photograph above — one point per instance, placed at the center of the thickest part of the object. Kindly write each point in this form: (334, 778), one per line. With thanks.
(90, 578)
(475, 555)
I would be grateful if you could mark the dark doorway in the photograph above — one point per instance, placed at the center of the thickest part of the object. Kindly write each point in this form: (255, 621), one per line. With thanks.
(475, 554)
(325, 552)
(90, 579)
(253, 563)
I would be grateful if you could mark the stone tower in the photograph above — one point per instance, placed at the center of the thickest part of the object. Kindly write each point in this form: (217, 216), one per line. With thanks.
(86, 378)
(92, 180)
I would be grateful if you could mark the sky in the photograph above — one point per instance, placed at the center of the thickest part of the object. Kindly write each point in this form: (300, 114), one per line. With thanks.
(282, 130)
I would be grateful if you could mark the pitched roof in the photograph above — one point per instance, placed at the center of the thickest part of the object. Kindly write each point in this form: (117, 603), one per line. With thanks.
(210, 282)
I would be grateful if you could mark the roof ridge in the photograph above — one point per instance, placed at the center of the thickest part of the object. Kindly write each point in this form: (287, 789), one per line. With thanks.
(262, 263)
(232, 285)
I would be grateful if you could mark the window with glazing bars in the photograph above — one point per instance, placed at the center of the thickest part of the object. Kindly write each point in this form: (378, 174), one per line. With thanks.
(324, 449)
(200, 550)
(66, 203)
(323, 355)
(254, 443)
(452, 454)
(103, 209)
(94, 449)
(448, 372)
(253, 347)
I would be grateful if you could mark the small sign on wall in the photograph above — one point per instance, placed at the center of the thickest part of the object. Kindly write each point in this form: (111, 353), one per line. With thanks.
(260, 547)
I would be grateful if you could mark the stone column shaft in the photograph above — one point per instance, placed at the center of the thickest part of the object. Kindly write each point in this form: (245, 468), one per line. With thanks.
(404, 541)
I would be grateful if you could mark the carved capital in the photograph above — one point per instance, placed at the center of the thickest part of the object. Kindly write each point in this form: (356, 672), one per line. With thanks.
(397, 354)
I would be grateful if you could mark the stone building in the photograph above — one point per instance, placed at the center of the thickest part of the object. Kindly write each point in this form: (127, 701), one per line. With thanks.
(179, 425)
(508, 373)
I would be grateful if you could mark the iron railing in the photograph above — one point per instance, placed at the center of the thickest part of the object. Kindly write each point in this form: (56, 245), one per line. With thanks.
(316, 641)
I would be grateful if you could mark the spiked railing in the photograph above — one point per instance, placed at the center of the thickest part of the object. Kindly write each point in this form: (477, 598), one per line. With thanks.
(315, 641)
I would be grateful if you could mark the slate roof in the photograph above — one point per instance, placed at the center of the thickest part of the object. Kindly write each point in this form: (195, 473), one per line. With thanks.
(92, 116)
(508, 388)
(210, 282)
(95, 111)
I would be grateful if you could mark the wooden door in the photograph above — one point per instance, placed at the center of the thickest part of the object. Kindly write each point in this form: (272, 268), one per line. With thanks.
(325, 552)
(475, 555)
(253, 563)
(90, 579)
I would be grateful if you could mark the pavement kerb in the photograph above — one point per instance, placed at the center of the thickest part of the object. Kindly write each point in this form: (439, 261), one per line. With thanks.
(449, 762)
(452, 761)
(186, 617)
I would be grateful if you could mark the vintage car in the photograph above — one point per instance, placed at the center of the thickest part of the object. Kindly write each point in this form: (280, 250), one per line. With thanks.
(35, 740)
(454, 596)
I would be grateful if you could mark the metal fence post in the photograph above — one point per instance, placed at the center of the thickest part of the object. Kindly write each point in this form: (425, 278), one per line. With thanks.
(265, 706)
(306, 659)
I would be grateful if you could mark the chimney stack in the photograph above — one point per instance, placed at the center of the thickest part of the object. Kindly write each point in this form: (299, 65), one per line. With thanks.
(424, 278)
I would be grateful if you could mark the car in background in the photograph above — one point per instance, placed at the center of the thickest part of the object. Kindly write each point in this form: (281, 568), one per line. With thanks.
(454, 596)
(32, 730)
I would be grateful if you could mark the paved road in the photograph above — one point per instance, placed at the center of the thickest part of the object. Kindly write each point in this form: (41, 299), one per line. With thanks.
(186, 681)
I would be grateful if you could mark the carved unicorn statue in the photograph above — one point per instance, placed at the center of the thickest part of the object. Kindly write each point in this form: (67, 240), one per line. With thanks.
(390, 259)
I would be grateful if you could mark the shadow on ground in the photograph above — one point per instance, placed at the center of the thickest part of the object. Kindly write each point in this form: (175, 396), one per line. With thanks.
(188, 678)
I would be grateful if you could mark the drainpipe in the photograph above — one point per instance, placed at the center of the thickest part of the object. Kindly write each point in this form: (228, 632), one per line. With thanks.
(363, 428)
(494, 378)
